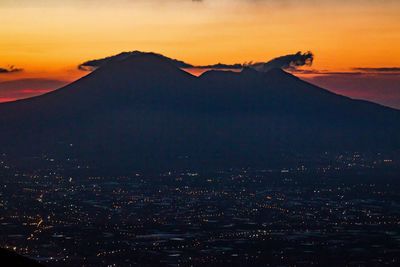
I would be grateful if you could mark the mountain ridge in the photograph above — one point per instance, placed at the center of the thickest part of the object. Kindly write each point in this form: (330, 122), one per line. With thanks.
(145, 109)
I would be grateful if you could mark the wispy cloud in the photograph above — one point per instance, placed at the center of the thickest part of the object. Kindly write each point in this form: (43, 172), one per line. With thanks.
(10, 69)
(287, 62)
(353, 71)
(382, 69)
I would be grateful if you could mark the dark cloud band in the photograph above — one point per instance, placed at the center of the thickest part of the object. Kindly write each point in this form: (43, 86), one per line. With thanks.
(386, 69)
(10, 69)
(287, 62)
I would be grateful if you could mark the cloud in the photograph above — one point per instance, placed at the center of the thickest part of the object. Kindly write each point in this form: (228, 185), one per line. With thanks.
(287, 62)
(353, 72)
(10, 69)
(384, 69)
(324, 72)
(222, 66)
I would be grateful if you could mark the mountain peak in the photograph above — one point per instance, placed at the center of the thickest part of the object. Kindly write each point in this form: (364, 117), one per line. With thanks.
(143, 109)
(98, 63)
(139, 67)
(120, 80)
(249, 71)
(142, 60)
(279, 75)
(277, 71)
(213, 73)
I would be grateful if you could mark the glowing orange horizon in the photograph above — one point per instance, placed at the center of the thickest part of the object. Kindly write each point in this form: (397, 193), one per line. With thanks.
(51, 39)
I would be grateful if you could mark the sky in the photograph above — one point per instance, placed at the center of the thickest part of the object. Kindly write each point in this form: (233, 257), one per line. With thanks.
(354, 41)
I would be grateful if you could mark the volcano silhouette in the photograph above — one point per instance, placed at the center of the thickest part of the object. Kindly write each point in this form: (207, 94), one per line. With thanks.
(145, 112)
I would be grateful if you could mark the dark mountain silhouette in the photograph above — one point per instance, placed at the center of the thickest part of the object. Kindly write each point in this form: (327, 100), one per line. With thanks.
(145, 112)
(10, 258)
(95, 63)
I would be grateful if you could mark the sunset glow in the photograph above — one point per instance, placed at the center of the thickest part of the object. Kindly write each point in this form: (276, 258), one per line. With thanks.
(48, 39)
(200, 133)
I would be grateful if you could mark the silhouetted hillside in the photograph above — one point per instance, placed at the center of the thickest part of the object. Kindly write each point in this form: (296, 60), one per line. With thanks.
(144, 112)
(12, 259)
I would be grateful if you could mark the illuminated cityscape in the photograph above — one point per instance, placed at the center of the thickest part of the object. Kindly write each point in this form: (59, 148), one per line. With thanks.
(180, 133)
(333, 213)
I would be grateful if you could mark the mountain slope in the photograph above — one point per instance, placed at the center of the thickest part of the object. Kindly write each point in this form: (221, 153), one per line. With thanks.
(143, 111)
(11, 258)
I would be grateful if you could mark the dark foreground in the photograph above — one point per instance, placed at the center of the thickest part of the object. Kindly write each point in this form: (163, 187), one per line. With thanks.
(346, 213)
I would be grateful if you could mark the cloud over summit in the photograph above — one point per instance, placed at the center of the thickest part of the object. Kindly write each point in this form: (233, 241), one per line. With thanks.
(288, 62)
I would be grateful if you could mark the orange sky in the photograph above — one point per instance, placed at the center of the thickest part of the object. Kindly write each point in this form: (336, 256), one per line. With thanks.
(48, 39)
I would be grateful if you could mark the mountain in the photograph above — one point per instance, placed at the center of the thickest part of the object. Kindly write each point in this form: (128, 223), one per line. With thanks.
(144, 112)
(11, 258)
(93, 64)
